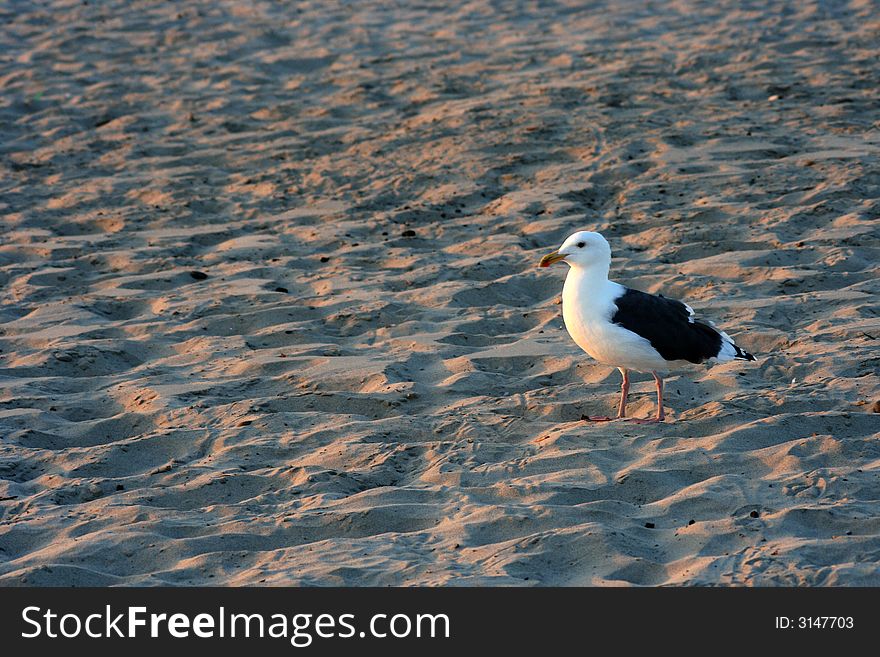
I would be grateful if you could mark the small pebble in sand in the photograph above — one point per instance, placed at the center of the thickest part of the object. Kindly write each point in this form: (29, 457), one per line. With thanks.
(876, 407)
(198, 275)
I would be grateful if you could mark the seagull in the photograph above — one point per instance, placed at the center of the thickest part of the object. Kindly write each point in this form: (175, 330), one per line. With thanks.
(629, 329)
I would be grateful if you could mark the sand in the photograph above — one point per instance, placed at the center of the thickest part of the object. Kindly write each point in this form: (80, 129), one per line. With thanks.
(271, 315)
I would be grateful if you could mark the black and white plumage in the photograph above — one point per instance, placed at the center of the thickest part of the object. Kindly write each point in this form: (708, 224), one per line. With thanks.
(672, 328)
(629, 329)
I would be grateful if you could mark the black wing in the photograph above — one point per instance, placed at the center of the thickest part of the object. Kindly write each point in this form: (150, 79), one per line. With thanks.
(667, 325)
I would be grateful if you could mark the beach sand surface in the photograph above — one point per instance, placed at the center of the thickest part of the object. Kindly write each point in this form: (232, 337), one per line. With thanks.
(270, 312)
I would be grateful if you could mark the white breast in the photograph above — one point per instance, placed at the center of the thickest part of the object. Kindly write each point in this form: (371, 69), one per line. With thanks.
(587, 308)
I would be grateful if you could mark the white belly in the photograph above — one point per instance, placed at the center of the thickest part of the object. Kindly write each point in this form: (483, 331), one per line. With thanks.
(589, 325)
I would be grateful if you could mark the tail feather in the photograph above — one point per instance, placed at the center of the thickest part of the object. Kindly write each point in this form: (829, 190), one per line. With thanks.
(731, 351)
(742, 355)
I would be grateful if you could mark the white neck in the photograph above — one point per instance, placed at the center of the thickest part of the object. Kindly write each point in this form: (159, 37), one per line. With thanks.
(590, 281)
(593, 274)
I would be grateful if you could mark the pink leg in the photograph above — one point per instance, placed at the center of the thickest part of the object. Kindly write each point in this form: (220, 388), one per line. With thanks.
(624, 391)
(661, 415)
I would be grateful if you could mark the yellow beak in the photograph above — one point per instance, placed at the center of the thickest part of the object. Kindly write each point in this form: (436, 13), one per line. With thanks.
(550, 258)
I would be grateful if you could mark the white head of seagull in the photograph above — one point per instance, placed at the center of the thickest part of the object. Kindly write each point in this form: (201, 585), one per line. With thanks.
(629, 329)
(584, 249)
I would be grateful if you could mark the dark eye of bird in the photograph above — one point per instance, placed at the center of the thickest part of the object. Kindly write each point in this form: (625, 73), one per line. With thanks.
(580, 245)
